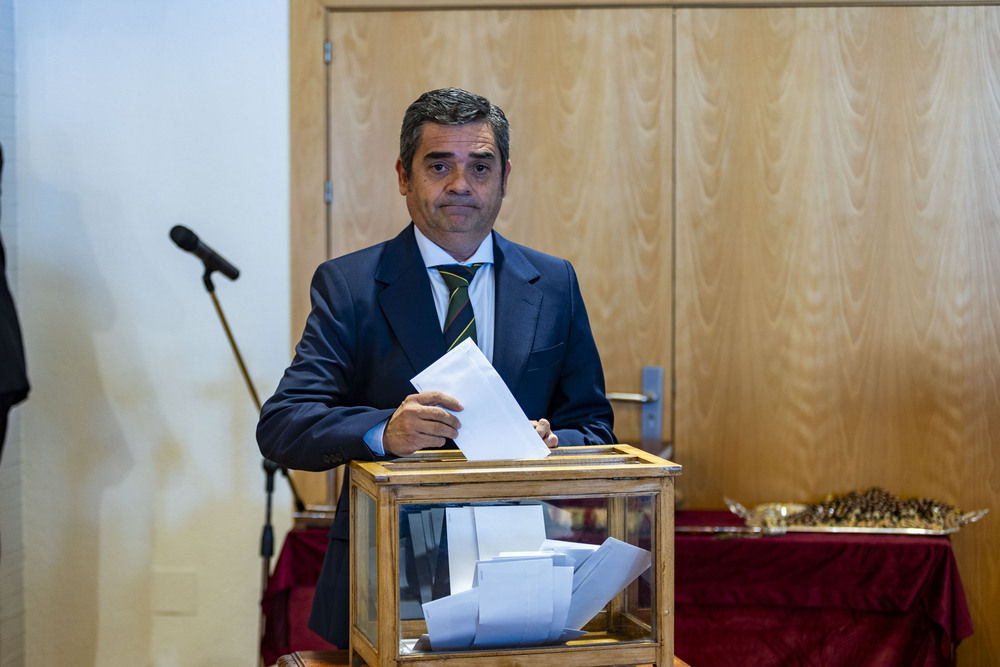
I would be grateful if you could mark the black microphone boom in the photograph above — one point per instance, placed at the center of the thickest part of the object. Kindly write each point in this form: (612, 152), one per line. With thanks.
(188, 240)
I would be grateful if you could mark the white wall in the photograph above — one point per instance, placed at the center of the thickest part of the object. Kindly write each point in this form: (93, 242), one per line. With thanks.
(11, 507)
(141, 476)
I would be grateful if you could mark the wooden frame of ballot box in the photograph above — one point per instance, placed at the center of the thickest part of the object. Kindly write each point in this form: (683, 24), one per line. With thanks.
(615, 478)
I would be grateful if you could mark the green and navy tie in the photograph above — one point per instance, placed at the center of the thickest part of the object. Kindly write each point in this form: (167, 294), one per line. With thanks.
(460, 321)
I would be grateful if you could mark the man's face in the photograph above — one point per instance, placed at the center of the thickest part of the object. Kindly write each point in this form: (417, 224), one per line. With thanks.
(456, 185)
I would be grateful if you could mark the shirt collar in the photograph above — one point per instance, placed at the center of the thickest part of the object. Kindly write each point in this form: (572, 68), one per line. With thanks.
(434, 255)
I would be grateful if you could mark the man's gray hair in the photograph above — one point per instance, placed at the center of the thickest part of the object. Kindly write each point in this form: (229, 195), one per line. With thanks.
(451, 106)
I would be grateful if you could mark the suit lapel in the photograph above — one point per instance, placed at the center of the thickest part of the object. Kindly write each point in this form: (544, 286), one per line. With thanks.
(518, 305)
(408, 306)
(407, 303)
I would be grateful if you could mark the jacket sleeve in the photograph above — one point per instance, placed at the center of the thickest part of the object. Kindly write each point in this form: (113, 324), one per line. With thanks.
(580, 412)
(312, 422)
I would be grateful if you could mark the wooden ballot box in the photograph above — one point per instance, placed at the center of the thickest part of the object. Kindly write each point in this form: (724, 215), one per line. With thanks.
(423, 527)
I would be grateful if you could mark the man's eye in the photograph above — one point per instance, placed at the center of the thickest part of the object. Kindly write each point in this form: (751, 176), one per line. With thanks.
(438, 168)
(482, 168)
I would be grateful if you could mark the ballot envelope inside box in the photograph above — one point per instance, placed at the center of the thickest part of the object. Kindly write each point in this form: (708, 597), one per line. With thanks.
(502, 581)
(486, 575)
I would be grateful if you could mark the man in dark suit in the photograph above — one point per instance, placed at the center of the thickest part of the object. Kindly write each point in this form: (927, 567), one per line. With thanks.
(378, 315)
(13, 377)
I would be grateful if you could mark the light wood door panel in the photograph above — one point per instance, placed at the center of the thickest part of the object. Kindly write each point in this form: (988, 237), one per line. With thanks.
(838, 238)
(837, 180)
(588, 96)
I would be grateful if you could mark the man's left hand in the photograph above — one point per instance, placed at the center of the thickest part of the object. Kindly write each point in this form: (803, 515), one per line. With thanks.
(544, 431)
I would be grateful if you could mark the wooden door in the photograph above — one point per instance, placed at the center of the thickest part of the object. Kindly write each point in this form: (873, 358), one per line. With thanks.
(836, 181)
(838, 247)
(588, 96)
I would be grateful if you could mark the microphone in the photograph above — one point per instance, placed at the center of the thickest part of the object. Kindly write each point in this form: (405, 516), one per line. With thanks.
(188, 240)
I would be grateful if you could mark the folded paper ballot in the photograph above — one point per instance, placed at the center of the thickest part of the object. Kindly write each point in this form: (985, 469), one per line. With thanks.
(494, 427)
(600, 577)
(516, 601)
(533, 598)
(452, 620)
(481, 532)
(576, 552)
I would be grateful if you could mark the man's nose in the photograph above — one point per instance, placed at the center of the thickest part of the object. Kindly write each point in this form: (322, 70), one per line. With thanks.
(458, 183)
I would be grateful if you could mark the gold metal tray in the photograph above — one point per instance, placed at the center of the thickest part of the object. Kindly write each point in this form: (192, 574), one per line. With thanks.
(766, 519)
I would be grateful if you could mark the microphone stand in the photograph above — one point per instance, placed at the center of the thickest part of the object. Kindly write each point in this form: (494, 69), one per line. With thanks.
(270, 467)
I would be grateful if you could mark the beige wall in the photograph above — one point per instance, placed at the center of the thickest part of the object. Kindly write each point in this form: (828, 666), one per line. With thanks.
(143, 495)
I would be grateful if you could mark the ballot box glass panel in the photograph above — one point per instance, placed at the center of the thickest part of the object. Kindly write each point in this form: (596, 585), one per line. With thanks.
(366, 566)
(565, 560)
(552, 572)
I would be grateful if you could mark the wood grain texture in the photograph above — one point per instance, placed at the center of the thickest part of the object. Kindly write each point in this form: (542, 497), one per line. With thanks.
(342, 659)
(307, 162)
(389, 5)
(838, 242)
(837, 179)
(307, 175)
(588, 95)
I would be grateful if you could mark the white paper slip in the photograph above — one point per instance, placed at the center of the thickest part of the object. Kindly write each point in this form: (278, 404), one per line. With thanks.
(508, 528)
(531, 597)
(451, 621)
(576, 551)
(493, 425)
(515, 602)
(602, 576)
(562, 592)
(463, 547)
(481, 532)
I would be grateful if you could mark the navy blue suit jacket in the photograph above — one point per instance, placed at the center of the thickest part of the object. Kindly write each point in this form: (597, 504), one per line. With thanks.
(373, 326)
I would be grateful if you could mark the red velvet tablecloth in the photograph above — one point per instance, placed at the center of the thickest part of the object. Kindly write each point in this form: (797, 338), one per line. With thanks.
(815, 598)
(801, 599)
(289, 595)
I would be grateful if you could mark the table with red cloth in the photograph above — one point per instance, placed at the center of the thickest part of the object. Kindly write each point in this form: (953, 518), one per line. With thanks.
(796, 599)
(815, 598)
(288, 598)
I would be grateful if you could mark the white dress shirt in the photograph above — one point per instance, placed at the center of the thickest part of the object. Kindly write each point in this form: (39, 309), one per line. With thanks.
(481, 295)
(480, 289)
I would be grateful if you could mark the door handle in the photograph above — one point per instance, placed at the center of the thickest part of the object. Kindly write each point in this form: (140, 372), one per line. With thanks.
(651, 399)
(626, 397)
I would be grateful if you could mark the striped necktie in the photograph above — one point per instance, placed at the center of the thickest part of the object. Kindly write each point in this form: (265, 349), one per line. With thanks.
(460, 321)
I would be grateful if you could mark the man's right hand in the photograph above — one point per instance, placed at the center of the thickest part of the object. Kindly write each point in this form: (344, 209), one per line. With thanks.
(423, 420)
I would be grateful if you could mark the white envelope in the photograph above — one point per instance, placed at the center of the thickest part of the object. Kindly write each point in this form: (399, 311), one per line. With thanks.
(532, 597)
(562, 592)
(452, 620)
(508, 528)
(481, 532)
(463, 547)
(602, 576)
(515, 602)
(576, 551)
(493, 425)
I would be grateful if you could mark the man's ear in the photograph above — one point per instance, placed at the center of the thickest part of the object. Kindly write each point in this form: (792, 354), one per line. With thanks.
(404, 184)
(506, 173)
